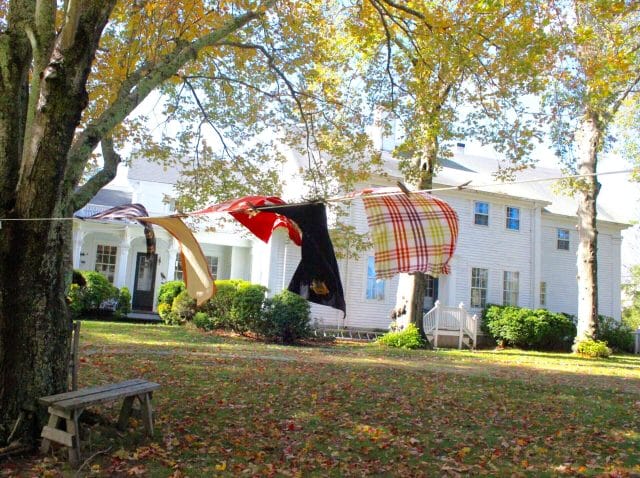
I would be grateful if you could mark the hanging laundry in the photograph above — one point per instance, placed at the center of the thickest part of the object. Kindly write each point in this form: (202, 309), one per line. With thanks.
(317, 278)
(414, 232)
(131, 212)
(195, 268)
(260, 222)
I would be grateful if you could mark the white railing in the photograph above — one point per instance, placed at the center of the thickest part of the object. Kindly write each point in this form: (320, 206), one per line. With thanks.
(450, 319)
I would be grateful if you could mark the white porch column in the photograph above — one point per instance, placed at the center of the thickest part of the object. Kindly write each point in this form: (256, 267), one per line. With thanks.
(240, 263)
(449, 295)
(123, 259)
(536, 254)
(78, 241)
(171, 266)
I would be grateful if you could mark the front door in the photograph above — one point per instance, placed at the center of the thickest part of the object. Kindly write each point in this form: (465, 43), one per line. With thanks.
(430, 294)
(145, 281)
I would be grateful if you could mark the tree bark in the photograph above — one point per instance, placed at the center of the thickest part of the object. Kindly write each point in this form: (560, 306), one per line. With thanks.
(412, 287)
(589, 139)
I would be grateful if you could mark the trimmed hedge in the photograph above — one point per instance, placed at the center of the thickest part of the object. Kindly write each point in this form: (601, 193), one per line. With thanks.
(96, 291)
(537, 329)
(285, 318)
(617, 335)
(593, 348)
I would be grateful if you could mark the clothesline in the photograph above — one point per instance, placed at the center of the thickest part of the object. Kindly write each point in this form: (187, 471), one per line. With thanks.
(352, 196)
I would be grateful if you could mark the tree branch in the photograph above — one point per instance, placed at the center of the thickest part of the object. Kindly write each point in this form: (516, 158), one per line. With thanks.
(111, 160)
(133, 92)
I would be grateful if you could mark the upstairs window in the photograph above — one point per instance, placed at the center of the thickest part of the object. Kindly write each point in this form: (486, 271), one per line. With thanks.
(481, 213)
(375, 286)
(563, 239)
(513, 218)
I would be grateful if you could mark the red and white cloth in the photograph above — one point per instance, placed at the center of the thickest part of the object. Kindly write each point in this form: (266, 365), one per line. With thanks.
(414, 232)
(259, 222)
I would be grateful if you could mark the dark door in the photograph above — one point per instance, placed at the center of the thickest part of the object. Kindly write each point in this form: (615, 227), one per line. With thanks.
(430, 294)
(145, 281)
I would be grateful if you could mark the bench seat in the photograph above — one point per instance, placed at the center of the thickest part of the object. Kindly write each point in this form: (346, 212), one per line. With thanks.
(65, 410)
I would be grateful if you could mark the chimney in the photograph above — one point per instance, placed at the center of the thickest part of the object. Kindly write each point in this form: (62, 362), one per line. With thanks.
(459, 148)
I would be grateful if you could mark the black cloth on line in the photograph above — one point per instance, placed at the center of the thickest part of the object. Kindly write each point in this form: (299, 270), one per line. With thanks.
(317, 278)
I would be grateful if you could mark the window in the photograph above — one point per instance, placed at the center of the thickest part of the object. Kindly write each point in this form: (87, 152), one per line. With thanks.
(563, 239)
(513, 218)
(375, 287)
(481, 213)
(212, 261)
(511, 283)
(430, 289)
(479, 282)
(543, 294)
(106, 261)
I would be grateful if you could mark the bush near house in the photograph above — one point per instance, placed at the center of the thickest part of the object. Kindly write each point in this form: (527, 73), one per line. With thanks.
(169, 291)
(525, 328)
(409, 338)
(124, 302)
(90, 297)
(593, 348)
(285, 318)
(617, 335)
(247, 307)
(218, 308)
(183, 307)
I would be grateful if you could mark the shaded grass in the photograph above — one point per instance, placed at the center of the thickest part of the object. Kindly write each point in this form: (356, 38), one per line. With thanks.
(232, 407)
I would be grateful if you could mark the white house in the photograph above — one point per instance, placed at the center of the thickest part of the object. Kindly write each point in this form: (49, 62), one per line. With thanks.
(517, 245)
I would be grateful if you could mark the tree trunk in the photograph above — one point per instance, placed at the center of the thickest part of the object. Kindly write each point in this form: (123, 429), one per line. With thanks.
(412, 287)
(588, 139)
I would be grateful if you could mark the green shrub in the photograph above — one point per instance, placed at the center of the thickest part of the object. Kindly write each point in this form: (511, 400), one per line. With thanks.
(246, 307)
(409, 338)
(285, 318)
(218, 308)
(183, 306)
(169, 291)
(124, 302)
(96, 292)
(529, 329)
(202, 321)
(164, 310)
(593, 348)
(617, 335)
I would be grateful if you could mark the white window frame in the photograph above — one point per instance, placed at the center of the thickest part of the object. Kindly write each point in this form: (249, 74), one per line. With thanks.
(510, 288)
(480, 284)
(477, 214)
(374, 287)
(508, 218)
(563, 240)
(213, 267)
(107, 269)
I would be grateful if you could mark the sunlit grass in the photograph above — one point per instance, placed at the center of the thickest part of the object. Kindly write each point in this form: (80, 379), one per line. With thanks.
(229, 406)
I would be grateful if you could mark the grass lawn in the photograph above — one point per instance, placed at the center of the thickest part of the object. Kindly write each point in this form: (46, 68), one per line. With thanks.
(233, 407)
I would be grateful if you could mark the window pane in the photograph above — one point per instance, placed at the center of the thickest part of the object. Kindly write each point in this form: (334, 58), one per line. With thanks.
(213, 266)
(481, 216)
(106, 261)
(177, 275)
(513, 218)
(563, 239)
(375, 287)
(511, 288)
(479, 282)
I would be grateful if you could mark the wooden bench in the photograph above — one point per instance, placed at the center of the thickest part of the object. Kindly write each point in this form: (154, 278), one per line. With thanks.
(65, 410)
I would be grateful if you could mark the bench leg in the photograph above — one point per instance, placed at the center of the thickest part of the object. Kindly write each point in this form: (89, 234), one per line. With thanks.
(147, 413)
(54, 422)
(74, 430)
(125, 413)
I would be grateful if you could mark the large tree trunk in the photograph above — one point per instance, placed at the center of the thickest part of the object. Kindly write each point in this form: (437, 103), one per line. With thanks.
(412, 287)
(42, 96)
(588, 139)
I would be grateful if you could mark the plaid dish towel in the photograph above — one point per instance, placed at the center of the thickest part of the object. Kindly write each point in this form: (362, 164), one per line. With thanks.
(410, 233)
